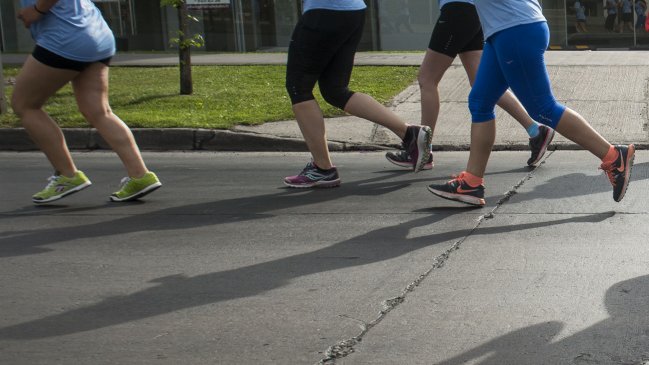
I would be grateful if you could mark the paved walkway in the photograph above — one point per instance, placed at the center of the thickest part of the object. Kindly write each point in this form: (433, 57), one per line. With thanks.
(607, 87)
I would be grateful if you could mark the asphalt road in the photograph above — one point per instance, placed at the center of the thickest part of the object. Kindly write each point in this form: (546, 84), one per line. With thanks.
(223, 265)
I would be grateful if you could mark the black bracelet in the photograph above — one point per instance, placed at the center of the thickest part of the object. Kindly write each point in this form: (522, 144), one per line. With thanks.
(38, 11)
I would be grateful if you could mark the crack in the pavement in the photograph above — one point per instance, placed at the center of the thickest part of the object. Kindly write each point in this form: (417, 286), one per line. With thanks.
(346, 347)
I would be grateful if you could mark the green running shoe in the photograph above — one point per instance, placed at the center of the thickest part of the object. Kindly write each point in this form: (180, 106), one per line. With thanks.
(60, 186)
(132, 189)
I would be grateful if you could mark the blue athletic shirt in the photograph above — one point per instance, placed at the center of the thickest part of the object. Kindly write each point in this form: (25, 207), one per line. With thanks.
(333, 5)
(496, 15)
(73, 29)
(626, 7)
(444, 2)
(611, 7)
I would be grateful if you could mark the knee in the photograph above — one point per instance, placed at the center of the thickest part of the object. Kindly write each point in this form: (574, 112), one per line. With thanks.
(427, 80)
(299, 86)
(337, 96)
(95, 113)
(481, 109)
(298, 94)
(17, 106)
(547, 113)
(21, 105)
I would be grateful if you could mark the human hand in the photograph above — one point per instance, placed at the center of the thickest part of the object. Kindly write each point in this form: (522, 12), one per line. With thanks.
(29, 15)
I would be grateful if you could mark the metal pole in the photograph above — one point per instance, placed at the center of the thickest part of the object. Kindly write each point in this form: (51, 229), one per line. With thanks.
(131, 11)
(635, 38)
(565, 20)
(3, 100)
(2, 31)
(121, 20)
(239, 29)
(376, 27)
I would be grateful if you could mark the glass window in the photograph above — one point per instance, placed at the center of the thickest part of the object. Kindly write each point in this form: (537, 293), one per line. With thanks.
(268, 24)
(15, 37)
(252, 25)
(598, 24)
(406, 24)
(118, 16)
(217, 27)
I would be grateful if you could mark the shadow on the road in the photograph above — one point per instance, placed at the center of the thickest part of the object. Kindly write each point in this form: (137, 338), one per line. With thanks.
(25, 242)
(179, 292)
(579, 184)
(17, 243)
(622, 338)
(60, 208)
(492, 173)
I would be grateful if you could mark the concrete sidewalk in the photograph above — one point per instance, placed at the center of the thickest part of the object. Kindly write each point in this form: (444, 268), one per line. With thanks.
(607, 87)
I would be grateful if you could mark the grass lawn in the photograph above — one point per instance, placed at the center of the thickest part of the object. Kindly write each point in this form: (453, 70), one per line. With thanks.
(147, 97)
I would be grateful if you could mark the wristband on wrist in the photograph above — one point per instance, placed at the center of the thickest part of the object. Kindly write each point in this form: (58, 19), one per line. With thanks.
(39, 11)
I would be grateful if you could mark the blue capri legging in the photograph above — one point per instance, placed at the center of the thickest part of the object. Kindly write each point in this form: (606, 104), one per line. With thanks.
(513, 58)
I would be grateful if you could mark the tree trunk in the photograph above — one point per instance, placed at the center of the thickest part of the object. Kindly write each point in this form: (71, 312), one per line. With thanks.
(184, 53)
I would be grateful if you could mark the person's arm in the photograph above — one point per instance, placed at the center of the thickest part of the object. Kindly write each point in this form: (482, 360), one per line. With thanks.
(32, 14)
(44, 6)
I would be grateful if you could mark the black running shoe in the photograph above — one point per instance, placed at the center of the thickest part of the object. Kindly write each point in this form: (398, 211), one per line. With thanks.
(402, 158)
(539, 144)
(619, 172)
(419, 146)
(459, 190)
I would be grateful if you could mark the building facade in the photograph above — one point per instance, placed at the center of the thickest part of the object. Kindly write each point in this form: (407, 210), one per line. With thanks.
(266, 25)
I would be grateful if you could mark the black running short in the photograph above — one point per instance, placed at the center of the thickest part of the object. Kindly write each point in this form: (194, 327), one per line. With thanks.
(322, 50)
(457, 30)
(627, 17)
(52, 59)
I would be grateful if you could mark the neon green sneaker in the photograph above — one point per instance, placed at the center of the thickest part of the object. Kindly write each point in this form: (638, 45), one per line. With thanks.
(132, 189)
(60, 186)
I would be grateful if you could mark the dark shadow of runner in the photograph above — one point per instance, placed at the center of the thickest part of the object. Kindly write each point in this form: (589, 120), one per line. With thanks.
(622, 338)
(179, 292)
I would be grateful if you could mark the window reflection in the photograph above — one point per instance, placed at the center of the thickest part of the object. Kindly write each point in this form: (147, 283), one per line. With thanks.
(266, 25)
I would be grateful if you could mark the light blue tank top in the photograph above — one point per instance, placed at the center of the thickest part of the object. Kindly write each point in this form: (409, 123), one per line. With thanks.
(626, 6)
(333, 5)
(497, 15)
(444, 2)
(612, 7)
(73, 29)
